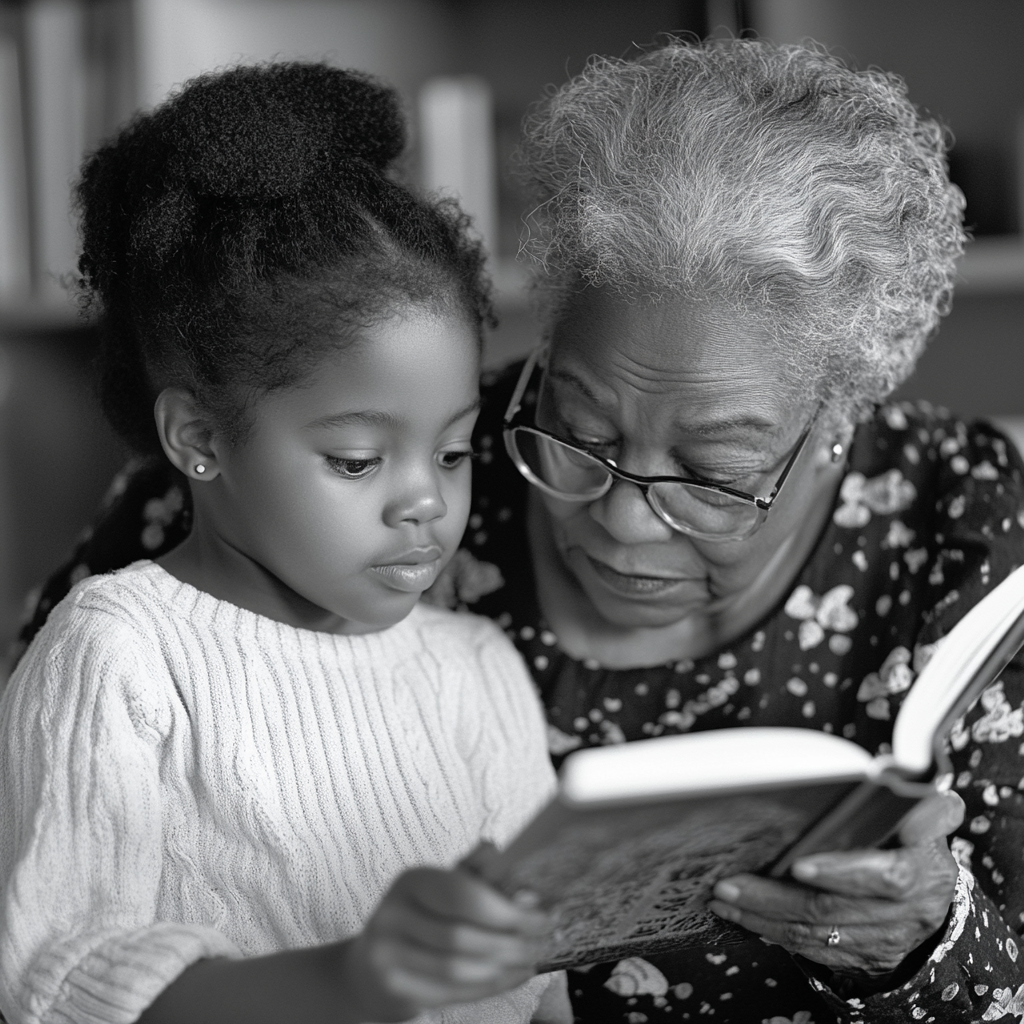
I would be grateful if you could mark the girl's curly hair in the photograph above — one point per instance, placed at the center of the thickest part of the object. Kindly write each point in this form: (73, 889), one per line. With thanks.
(773, 180)
(233, 233)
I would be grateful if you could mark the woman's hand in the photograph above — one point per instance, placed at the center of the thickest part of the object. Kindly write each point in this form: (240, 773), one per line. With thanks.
(877, 905)
(440, 937)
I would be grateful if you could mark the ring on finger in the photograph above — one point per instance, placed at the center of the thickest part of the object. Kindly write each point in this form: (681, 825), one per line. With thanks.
(833, 936)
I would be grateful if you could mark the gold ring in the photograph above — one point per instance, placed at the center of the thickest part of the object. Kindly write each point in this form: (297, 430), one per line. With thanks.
(833, 936)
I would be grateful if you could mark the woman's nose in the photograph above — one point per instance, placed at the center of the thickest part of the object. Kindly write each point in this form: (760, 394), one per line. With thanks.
(626, 515)
(419, 501)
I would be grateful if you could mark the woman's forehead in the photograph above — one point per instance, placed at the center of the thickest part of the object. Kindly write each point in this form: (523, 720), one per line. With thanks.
(714, 362)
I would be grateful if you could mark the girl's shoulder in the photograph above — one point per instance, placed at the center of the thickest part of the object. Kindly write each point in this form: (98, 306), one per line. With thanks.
(446, 631)
(131, 595)
(100, 648)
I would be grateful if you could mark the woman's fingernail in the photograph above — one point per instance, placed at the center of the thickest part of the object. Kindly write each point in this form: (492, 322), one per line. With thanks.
(526, 898)
(727, 891)
(805, 870)
(724, 910)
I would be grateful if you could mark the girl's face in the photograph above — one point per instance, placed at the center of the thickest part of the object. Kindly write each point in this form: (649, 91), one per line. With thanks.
(351, 491)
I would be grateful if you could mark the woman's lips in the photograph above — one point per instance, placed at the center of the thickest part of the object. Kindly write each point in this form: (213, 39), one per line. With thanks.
(416, 572)
(635, 585)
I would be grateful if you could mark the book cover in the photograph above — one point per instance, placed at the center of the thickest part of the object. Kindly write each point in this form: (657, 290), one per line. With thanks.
(629, 850)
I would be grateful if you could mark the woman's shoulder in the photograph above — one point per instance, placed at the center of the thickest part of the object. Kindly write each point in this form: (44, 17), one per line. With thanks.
(934, 449)
(940, 500)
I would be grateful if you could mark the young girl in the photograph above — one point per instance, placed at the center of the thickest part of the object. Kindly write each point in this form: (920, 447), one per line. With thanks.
(234, 781)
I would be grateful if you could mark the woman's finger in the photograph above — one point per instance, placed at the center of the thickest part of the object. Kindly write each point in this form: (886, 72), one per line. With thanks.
(874, 948)
(901, 874)
(933, 818)
(784, 901)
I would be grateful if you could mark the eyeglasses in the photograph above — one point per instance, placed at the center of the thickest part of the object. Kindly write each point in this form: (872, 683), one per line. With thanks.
(564, 470)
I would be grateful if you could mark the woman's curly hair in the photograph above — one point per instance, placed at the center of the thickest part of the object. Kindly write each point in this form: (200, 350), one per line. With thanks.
(248, 223)
(769, 179)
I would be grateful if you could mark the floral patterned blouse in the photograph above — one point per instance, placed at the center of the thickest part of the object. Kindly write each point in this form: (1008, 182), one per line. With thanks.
(929, 517)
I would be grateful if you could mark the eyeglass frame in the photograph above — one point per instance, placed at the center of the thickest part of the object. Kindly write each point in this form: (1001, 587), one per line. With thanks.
(644, 483)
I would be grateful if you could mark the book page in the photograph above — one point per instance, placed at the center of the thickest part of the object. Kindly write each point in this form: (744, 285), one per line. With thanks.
(953, 669)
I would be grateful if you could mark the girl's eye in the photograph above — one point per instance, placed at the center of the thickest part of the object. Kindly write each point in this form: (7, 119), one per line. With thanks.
(353, 469)
(454, 459)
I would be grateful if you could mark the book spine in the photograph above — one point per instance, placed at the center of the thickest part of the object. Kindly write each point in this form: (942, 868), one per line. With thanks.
(866, 817)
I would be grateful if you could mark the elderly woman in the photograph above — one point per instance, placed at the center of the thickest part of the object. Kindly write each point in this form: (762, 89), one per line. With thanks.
(711, 520)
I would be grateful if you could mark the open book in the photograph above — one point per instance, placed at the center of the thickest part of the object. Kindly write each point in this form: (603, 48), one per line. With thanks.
(638, 834)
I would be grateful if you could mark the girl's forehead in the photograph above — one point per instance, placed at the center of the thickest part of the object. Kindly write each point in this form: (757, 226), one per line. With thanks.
(407, 366)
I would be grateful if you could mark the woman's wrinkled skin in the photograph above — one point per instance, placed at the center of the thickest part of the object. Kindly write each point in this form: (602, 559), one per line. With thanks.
(883, 903)
(670, 387)
(666, 387)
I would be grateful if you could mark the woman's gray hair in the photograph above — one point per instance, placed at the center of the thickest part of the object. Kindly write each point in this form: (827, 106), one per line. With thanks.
(772, 180)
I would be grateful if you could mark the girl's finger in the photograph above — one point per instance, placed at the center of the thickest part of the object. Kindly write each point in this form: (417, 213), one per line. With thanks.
(446, 937)
(412, 972)
(458, 896)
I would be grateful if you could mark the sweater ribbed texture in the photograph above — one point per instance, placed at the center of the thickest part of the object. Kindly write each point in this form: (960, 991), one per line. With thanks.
(183, 778)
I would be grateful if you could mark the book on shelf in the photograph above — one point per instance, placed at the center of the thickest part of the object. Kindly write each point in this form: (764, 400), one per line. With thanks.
(630, 848)
(15, 254)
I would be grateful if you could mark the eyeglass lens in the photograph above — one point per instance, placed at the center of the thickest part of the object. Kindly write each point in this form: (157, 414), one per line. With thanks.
(575, 475)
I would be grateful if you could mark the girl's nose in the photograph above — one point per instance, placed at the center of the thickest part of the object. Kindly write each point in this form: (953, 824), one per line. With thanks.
(420, 501)
(626, 515)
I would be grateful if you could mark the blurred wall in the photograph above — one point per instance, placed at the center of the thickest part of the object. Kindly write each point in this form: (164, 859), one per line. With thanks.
(962, 59)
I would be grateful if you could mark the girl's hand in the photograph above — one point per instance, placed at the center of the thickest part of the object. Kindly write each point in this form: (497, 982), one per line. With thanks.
(882, 904)
(440, 937)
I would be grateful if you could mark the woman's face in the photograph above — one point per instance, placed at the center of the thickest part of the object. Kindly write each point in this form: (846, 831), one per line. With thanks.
(662, 388)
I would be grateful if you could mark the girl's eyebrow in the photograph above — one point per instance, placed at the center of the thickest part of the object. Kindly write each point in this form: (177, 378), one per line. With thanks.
(377, 418)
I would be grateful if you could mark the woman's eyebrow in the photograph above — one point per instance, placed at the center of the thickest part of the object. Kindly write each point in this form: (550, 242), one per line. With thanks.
(567, 377)
(731, 424)
(713, 429)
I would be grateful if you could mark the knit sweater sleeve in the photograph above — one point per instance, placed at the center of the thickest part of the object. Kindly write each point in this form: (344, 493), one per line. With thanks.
(81, 729)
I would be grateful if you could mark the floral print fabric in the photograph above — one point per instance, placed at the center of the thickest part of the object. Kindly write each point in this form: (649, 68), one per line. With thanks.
(929, 517)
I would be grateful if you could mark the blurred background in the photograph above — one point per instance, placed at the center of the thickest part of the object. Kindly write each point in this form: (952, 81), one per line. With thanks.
(72, 70)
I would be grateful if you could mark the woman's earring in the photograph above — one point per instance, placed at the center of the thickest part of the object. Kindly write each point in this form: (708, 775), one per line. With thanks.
(837, 451)
(200, 468)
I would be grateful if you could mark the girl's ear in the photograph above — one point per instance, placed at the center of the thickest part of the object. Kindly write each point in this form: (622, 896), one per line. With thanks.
(186, 434)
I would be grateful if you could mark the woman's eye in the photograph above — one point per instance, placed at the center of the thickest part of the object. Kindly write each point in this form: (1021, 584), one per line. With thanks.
(353, 469)
(454, 459)
(586, 441)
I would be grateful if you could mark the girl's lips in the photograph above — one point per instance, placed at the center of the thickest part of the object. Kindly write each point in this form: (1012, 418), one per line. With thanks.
(408, 577)
(635, 586)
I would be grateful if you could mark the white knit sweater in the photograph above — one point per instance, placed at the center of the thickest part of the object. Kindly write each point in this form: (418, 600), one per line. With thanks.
(182, 778)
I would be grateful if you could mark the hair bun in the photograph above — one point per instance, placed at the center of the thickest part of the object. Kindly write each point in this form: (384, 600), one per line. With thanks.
(265, 131)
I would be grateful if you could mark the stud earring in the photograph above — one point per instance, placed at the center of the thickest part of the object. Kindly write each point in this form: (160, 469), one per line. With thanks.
(837, 451)
(200, 468)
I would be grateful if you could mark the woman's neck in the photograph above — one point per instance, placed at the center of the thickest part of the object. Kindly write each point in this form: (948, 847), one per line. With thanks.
(584, 634)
